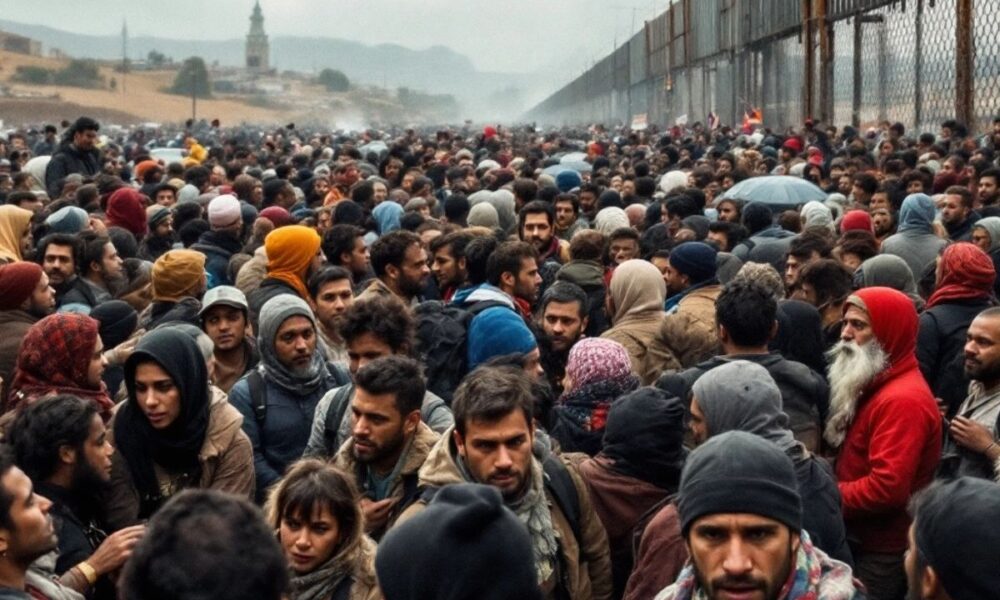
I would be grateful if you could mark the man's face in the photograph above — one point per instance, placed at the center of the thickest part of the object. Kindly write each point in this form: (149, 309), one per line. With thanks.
(94, 462)
(332, 301)
(728, 212)
(537, 230)
(805, 293)
(407, 182)
(364, 349)
(359, 258)
(697, 426)
(916, 186)
(498, 453)
(857, 326)
(348, 177)
(42, 301)
(32, 532)
(226, 325)
(882, 221)
(378, 429)
(447, 271)
(85, 140)
(623, 249)
(565, 215)
(527, 280)
(258, 193)
(588, 201)
(844, 184)
(59, 264)
(166, 198)
(295, 343)
(413, 272)
(164, 228)
(741, 555)
(982, 349)
(720, 238)
(879, 200)
(953, 212)
(562, 323)
(381, 192)
(988, 190)
(111, 263)
(676, 281)
(628, 188)
(794, 264)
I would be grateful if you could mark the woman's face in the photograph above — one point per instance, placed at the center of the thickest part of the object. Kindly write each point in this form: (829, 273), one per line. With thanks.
(157, 395)
(309, 543)
(96, 367)
(381, 192)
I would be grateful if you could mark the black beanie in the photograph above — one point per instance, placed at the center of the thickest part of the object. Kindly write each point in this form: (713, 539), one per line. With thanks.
(117, 322)
(738, 472)
(465, 545)
(956, 532)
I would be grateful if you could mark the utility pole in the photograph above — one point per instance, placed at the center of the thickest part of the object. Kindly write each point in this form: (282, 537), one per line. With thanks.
(194, 95)
(124, 53)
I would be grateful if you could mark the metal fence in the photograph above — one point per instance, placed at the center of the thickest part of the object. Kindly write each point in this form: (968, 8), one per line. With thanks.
(842, 61)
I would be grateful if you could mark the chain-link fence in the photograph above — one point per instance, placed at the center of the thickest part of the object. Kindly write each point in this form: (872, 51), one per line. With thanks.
(901, 55)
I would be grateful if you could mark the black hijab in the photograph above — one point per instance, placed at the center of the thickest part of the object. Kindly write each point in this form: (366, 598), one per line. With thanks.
(800, 335)
(644, 436)
(175, 448)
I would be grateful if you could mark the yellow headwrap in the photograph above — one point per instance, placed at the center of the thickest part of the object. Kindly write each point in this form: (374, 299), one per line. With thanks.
(177, 274)
(14, 222)
(290, 252)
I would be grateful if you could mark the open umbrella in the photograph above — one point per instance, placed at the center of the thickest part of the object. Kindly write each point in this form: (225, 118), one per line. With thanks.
(572, 157)
(579, 167)
(782, 191)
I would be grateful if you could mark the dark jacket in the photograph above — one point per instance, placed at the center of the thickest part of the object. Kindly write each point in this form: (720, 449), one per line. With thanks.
(269, 288)
(69, 159)
(157, 313)
(821, 515)
(279, 439)
(941, 348)
(76, 291)
(805, 396)
(14, 324)
(218, 247)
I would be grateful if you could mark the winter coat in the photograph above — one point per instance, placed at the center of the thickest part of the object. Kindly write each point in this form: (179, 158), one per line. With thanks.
(359, 567)
(80, 291)
(416, 454)
(157, 313)
(69, 159)
(941, 348)
(771, 235)
(434, 413)
(659, 556)
(587, 562)
(280, 438)
(687, 335)
(620, 502)
(567, 428)
(589, 275)
(892, 446)
(917, 247)
(226, 459)
(805, 396)
(14, 325)
(218, 247)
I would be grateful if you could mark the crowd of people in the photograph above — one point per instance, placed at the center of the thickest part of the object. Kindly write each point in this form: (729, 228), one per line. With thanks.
(502, 363)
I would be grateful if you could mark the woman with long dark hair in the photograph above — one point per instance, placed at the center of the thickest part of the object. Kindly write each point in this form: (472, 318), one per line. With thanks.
(171, 433)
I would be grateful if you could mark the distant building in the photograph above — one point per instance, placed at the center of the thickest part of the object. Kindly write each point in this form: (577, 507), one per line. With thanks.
(11, 42)
(258, 48)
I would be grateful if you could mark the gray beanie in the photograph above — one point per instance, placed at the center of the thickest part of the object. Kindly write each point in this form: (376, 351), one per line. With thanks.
(68, 219)
(738, 472)
(483, 215)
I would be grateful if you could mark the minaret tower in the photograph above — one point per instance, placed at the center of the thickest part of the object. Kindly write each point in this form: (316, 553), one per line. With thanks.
(258, 48)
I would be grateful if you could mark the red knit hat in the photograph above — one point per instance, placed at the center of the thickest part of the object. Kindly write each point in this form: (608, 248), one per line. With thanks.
(794, 144)
(17, 281)
(856, 219)
(127, 209)
(277, 215)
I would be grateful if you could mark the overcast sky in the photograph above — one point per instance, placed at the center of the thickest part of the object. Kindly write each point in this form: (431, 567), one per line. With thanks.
(497, 35)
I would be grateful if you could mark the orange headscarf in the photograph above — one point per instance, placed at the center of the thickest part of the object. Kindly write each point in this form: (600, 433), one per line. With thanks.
(290, 252)
(14, 222)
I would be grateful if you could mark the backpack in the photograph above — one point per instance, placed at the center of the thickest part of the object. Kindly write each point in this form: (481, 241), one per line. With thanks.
(442, 342)
(335, 416)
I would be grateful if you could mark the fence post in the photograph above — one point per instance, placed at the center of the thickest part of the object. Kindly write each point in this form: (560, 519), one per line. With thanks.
(918, 64)
(826, 58)
(809, 89)
(856, 100)
(964, 63)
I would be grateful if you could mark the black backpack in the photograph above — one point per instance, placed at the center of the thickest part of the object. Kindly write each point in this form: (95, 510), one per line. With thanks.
(442, 342)
(258, 391)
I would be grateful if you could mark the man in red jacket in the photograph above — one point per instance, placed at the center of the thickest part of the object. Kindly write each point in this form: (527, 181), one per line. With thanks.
(886, 425)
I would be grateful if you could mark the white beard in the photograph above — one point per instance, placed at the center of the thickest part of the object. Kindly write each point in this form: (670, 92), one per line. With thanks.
(852, 368)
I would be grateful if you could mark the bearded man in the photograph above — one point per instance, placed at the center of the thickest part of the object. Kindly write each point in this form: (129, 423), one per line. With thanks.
(887, 429)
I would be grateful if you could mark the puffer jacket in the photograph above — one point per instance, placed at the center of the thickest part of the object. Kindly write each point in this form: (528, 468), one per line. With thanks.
(688, 335)
(218, 247)
(226, 458)
(587, 561)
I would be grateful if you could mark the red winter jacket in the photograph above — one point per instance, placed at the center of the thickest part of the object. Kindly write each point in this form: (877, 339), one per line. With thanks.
(893, 444)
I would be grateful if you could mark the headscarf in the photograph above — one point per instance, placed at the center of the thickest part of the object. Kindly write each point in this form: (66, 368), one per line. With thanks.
(14, 222)
(127, 209)
(742, 396)
(917, 214)
(177, 447)
(609, 219)
(177, 274)
(290, 251)
(483, 215)
(816, 214)
(644, 436)
(637, 289)
(800, 334)
(991, 225)
(886, 270)
(967, 273)
(55, 358)
(276, 311)
(387, 216)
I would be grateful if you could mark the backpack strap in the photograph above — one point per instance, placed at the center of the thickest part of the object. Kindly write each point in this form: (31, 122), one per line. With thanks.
(411, 492)
(335, 416)
(258, 396)
(560, 484)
